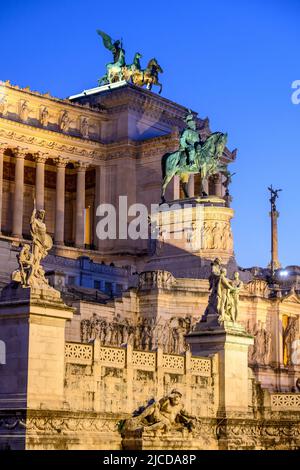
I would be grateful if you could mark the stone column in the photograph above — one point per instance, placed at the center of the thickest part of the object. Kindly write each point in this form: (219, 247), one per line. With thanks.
(159, 373)
(40, 180)
(274, 264)
(98, 199)
(2, 150)
(191, 186)
(80, 205)
(18, 193)
(176, 188)
(218, 185)
(60, 200)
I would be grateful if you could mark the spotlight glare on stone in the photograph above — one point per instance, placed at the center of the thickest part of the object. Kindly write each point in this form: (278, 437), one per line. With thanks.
(283, 273)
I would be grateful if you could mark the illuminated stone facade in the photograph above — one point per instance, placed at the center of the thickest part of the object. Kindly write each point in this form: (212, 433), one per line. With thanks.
(73, 368)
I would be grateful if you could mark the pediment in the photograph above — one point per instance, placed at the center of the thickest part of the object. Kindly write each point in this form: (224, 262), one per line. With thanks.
(291, 298)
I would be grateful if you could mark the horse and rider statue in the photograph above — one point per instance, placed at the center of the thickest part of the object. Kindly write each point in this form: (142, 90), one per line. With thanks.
(194, 157)
(118, 69)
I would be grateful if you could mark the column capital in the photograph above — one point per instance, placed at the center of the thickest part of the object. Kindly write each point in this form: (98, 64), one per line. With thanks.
(3, 146)
(81, 166)
(41, 157)
(20, 152)
(61, 162)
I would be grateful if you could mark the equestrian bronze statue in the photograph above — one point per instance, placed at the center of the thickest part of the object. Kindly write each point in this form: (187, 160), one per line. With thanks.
(193, 157)
(118, 70)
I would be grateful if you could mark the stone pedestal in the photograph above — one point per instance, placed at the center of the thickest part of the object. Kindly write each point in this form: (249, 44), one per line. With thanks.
(32, 326)
(190, 233)
(230, 342)
(147, 440)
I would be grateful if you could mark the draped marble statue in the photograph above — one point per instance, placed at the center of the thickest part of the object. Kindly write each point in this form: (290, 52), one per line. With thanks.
(30, 272)
(224, 293)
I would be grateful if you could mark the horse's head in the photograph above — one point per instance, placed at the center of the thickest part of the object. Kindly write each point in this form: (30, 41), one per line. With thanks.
(154, 65)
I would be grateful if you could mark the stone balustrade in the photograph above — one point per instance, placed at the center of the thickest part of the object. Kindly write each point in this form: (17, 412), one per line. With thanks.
(120, 358)
(78, 353)
(285, 402)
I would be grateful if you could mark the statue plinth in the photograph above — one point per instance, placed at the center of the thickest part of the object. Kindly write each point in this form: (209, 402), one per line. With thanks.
(159, 440)
(32, 326)
(187, 234)
(203, 200)
(229, 342)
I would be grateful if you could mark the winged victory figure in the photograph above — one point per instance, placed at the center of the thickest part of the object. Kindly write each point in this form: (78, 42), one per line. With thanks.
(114, 70)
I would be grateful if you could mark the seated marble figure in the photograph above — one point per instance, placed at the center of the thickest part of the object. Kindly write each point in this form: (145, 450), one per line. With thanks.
(167, 414)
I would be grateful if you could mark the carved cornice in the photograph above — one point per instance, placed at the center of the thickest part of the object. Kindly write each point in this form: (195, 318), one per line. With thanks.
(47, 133)
(92, 154)
(48, 97)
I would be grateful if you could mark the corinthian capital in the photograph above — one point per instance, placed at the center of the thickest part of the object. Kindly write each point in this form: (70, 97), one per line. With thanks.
(81, 166)
(41, 157)
(3, 146)
(61, 162)
(20, 152)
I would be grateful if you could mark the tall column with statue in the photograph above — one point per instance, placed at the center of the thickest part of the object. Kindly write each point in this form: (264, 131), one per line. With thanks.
(274, 214)
(200, 223)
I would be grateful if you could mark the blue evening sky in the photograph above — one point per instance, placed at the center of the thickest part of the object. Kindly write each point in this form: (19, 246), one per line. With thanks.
(233, 61)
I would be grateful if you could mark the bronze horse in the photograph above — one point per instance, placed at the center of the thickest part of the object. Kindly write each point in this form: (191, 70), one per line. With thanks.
(206, 163)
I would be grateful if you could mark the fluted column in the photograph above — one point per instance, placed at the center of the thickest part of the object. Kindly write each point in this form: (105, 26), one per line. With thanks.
(60, 201)
(40, 160)
(3, 147)
(17, 224)
(80, 205)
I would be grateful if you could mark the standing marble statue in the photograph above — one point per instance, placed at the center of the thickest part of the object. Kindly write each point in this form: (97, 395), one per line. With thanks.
(224, 294)
(30, 272)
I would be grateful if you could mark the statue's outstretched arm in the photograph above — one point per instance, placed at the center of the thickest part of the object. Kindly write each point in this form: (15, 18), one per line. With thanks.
(33, 216)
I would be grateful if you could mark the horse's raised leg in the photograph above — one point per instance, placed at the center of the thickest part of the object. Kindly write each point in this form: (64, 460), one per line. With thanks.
(160, 89)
